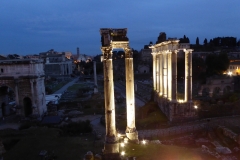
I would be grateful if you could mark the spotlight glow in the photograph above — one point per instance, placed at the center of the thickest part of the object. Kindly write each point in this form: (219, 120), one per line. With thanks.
(195, 107)
(144, 142)
(122, 153)
(122, 144)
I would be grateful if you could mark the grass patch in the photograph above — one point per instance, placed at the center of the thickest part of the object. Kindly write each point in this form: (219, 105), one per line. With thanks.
(75, 87)
(157, 152)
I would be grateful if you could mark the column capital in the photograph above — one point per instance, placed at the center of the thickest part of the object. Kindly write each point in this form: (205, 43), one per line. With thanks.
(128, 53)
(154, 53)
(107, 52)
(188, 50)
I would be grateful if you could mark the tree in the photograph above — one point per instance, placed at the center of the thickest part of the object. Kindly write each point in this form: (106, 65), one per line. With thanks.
(197, 41)
(217, 64)
(205, 42)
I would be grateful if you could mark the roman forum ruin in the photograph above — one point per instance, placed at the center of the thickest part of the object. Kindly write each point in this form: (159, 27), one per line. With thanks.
(117, 39)
(26, 78)
(164, 54)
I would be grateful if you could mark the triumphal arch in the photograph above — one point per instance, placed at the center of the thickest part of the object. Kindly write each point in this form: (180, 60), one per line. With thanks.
(164, 54)
(117, 39)
(25, 77)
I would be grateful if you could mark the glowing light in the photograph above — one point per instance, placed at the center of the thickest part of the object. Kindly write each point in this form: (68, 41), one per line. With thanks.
(119, 135)
(229, 73)
(125, 140)
(144, 142)
(195, 107)
(122, 144)
(122, 153)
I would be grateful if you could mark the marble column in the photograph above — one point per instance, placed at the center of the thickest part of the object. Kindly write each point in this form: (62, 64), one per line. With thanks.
(169, 74)
(131, 131)
(157, 73)
(188, 75)
(165, 94)
(160, 74)
(154, 70)
(174, 76)
(111, 144)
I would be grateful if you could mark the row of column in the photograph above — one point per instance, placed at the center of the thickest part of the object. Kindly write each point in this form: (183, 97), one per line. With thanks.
(165, 74)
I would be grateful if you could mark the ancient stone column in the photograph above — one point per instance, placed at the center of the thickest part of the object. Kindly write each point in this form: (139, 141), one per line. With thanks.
(160, 73)
(169, 74)
(111, 145)
(16, 91)
(95, 77)
(165, 74)
(174, 76)
(157, 72)
(131, 131)
(154, 70)
(188, 75)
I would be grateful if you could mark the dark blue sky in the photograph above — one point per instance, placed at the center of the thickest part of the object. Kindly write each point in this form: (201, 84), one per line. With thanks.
(30, 27)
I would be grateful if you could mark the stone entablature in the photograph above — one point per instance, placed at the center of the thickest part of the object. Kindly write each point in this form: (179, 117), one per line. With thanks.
(23, 67)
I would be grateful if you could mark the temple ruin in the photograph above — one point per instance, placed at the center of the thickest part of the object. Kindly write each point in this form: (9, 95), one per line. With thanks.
(117, 39)
(164, 54)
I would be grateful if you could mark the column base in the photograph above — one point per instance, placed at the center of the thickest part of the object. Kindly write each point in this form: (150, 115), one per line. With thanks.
(111, 148)
(132, 135)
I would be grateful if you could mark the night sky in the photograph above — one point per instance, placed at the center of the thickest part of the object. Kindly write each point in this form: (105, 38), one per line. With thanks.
(31, 27)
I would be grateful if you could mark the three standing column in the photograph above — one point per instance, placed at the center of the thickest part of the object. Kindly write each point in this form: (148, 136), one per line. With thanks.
(131, 131)
(154, 71)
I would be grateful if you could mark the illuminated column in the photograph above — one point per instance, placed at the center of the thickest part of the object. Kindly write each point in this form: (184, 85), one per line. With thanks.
(111, 145)
(131, 131)
(165, 74)
(169, 74)
(157, 72)
(174, 75)
(160, 73)
(188, 75)
(154, 70)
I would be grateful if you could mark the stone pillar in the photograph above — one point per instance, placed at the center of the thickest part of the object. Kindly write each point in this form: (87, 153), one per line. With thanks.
(160, 74)
(131, 131)
(188, 75)
(157, 73)
(174, 76)
(95, 77)
(165, 74)
(111, 144)
(154, 70)
(169, 74)
(33, 97)
(16, 92)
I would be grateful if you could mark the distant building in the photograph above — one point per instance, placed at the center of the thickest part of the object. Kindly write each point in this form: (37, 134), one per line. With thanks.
(234, 68)
(145, 54)
(57, 63)
(143, 68)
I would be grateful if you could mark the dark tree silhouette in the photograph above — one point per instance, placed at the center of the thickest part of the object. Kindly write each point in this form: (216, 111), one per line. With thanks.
(197, 41)
(205, 42)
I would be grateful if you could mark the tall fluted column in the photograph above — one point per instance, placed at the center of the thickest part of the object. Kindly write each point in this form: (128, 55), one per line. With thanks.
(169, 74)
(131, 131)
(111, 134)
(165, 74)
(95, 77)
(160, 73)
(174, 75)
(157, 73)
(154, 70)
(188, 75)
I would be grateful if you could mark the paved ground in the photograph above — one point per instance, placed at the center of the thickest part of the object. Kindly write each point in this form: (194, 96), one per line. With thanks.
(64, 88)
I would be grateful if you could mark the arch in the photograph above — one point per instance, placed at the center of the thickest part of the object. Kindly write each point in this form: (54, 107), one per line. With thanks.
(27, 104)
